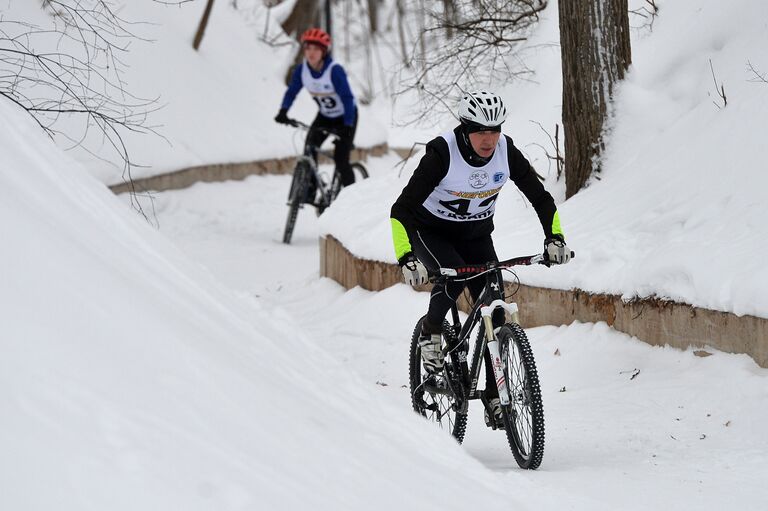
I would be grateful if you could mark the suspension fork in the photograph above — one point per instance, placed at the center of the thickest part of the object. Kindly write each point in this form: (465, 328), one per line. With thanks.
(493, 345)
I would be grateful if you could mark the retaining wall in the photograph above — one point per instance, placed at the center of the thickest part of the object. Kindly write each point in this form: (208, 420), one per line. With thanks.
(228, 171)
(654, 321)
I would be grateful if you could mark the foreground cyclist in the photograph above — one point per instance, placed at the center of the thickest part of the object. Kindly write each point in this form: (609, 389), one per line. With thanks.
(444, 215)
(327, 82)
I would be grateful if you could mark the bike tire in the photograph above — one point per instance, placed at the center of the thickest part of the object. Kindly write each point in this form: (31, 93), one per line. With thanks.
(296, 197)
(360, 172)
(524, 416)
(439, 408)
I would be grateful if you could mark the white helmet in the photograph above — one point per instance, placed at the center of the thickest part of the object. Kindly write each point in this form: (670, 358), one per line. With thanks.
(482, 109)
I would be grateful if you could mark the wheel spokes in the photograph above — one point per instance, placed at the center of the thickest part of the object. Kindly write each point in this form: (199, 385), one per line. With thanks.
(520, 405)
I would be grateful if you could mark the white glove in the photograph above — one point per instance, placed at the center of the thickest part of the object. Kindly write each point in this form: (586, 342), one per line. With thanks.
(414, 271)
(556, 251)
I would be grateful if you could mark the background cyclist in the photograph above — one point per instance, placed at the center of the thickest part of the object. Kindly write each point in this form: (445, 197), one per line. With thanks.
(327, 82)
(444, 215)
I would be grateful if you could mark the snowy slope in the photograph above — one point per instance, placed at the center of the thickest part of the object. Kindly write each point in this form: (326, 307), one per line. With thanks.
(212, 106)
(678, 208)
(131, 379)
(628, 426)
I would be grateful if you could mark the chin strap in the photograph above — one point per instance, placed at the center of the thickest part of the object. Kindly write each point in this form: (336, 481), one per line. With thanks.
(473, 156)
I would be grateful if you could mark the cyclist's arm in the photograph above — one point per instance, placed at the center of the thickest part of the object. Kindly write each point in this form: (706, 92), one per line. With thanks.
(294, 87)
(341, 84)
(431, 170)
(525, 178)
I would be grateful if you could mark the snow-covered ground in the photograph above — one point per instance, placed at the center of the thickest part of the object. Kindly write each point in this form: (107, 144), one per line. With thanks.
(203, 365)
(686, 431)
(677, 211)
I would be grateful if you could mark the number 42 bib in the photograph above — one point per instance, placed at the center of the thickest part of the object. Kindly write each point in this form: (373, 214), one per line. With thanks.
(468, 193)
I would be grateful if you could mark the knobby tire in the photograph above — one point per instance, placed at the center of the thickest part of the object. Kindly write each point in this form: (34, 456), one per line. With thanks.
(296, 197)
(439, 408)
(524, 416)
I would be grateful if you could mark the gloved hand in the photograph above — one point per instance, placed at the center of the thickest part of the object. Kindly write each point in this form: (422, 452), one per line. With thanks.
(414, 271)
(282, 117)
(556, 251)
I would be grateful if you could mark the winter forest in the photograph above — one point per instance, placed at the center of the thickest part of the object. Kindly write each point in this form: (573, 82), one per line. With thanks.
(203, 312)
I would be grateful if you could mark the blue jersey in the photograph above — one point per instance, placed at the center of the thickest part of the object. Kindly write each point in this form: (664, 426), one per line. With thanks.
(329, 88)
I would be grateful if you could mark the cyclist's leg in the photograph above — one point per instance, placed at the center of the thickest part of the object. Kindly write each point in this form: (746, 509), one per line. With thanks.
(341, 154)
(480, 251)
(315, 138)
(436, 251)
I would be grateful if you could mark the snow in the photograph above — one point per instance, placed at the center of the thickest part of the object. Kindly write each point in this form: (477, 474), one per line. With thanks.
(684, 431)
(134, 379)
(677, 210)
(201, 363)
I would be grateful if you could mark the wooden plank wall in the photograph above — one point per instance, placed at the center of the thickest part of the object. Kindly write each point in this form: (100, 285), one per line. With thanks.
(227, 171)
(654, 321)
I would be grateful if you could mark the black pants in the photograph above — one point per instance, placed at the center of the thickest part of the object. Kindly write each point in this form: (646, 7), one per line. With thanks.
(437, 251)
(316, 136)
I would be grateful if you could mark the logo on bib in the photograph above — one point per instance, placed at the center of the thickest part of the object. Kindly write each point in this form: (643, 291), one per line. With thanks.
(478, 179)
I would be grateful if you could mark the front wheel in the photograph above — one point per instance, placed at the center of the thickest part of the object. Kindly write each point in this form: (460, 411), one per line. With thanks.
(434, 396)
(296, 197)
(524, 415)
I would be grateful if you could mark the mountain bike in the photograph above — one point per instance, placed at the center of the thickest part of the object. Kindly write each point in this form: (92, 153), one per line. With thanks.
(444, 397)
(306, 174)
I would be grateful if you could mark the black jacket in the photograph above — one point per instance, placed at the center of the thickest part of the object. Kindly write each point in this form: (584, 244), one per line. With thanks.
(433, 167)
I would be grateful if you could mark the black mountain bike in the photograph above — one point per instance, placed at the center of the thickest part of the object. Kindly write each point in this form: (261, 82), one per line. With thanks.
(305, 174)
(444, 397)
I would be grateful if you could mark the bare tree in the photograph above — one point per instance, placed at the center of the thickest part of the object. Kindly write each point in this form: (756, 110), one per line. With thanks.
(757, 76)
(305, 14)
(68, 77)
(647, 13)
(485, 38)
(202, 26)
(373, 15)
(594, 41)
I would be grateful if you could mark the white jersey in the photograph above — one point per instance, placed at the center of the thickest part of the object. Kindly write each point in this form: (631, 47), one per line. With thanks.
(468, 193)
(323, 91)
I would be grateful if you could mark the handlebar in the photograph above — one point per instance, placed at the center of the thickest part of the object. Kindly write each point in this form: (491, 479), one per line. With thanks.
(302, 126)
(473, 270)
(297, 124)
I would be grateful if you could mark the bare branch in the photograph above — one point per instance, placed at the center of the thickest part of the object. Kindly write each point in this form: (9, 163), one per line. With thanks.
(558, 157)
(73, 72)
(758, 76)
(719, 88)
(648, 12)
(482, 50)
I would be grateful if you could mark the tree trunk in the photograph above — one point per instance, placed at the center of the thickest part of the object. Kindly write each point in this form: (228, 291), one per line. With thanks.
(373, 15)
(203, 24)
(401, 32)
(594, 41)
(449, 12)
(305, 14)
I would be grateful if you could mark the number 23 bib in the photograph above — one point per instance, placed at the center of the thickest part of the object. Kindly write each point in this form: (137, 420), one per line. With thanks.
(323, 91)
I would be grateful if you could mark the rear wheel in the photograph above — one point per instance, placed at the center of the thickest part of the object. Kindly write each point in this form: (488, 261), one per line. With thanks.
(360, 172)
(524, 415)
(433, 396)
(296, 197)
